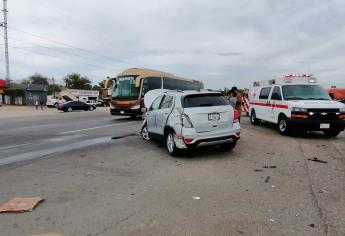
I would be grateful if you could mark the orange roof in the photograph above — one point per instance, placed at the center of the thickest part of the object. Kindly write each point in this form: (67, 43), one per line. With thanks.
(339, 93)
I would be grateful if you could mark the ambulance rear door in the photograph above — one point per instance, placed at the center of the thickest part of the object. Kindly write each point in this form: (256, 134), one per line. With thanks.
(263, 109)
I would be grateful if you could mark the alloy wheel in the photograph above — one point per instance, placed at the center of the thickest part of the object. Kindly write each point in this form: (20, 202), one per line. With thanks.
(145, 134)
(170, 143)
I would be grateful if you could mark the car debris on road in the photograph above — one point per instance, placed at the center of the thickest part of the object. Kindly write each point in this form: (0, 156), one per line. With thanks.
(19, 205)
(315, 159)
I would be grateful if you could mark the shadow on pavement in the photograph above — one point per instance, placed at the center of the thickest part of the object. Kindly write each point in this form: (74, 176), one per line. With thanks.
(296, 134)
(208, 152)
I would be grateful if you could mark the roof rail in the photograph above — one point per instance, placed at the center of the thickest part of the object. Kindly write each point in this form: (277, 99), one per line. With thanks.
(174, 90)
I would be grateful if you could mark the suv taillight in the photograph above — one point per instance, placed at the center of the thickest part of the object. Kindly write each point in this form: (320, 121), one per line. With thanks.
(186, 122)
(236, 116)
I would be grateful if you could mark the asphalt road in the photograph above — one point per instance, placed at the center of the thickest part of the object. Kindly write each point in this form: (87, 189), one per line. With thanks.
(95, 185)
(41, 134)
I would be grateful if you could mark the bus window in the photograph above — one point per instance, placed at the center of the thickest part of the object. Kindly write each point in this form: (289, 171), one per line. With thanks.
(170, 84)
(175, 84)
(151, 83)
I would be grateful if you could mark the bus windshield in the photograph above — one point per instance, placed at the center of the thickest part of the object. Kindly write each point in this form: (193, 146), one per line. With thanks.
(304, 92)
(124, 88)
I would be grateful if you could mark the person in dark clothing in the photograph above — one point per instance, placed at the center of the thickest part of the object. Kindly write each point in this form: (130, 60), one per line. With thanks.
(41, 104)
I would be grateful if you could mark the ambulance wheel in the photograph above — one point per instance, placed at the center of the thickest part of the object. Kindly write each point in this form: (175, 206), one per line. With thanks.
(331, 133)
(283, 125)
(253, 119)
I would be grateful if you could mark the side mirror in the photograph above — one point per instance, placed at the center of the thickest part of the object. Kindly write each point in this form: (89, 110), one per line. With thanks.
(143, 109)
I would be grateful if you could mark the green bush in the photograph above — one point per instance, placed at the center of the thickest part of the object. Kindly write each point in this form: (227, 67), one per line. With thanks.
(14, 92)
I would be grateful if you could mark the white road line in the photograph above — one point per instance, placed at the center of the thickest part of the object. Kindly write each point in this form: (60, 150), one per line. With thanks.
(14, 146)
(52, 151)
(98, 127)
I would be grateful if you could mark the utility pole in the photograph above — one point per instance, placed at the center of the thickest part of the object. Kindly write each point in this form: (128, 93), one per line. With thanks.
(4, 24)
(53, 87)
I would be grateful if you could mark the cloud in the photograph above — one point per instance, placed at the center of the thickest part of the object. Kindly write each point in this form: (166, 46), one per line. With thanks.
(223, 43)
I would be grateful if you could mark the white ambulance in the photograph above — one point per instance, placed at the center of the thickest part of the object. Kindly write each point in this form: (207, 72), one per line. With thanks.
(296, 102)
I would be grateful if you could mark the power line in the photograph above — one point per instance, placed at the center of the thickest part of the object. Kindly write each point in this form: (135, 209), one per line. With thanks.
(54, 56)
(68, 45)
(50, 48)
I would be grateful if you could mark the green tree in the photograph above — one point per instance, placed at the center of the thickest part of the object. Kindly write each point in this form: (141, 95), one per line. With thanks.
(54, 88)
(98, 86)
(38, 79)
(76, 81)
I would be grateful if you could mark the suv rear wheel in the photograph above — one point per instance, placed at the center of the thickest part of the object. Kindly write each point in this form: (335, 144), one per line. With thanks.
(253, 119)
(170, 144)
(70, 109)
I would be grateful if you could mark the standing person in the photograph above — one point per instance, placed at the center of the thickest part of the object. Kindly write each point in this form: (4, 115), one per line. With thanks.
(41, 104)
(239, 101)
(232, 98)
(36, 104)
(245, 102)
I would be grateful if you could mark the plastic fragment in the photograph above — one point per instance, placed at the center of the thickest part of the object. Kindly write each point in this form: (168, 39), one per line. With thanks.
(317, 160)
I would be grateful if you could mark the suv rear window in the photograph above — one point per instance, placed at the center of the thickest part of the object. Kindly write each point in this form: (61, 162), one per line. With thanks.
(203, 100)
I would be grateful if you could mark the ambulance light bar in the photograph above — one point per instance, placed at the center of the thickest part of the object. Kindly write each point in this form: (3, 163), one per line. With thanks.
(298, 75)
(289, 78)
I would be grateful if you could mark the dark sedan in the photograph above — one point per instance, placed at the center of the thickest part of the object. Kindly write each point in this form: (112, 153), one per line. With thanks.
(76, 105)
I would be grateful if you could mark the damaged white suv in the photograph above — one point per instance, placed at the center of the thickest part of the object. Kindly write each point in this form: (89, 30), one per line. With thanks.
(184, 119)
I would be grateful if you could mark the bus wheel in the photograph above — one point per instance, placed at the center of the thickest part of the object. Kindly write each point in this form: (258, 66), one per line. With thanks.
(253, 119)
(283, 126)
(145, 133)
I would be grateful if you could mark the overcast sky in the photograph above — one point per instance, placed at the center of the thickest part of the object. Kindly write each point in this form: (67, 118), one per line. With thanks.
(223, 42)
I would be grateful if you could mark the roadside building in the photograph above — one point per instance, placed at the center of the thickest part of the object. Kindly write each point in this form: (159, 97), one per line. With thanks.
(35, 92)
(2, 92)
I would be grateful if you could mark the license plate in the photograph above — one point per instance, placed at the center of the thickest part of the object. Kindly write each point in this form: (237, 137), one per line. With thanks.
(122, 112)
(213, 116)
(325, 126)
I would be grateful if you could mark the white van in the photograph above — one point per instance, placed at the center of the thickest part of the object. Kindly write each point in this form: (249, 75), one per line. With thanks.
(296, 101)
(52, 101)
